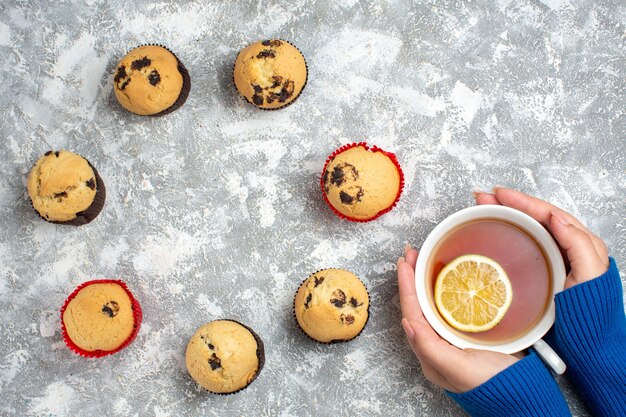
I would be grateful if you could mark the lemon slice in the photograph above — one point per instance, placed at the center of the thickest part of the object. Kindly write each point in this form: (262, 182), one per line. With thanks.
(473, 293)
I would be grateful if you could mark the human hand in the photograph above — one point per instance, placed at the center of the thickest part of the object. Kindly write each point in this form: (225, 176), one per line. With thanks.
(443, 364)
(585, 252)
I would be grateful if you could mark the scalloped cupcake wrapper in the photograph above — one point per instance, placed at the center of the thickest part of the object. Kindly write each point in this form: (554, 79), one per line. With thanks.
(91, 212)
(260, 354)
(332, 342)
(185, 89)
(374, 148)
(137, 316)
(306, 65)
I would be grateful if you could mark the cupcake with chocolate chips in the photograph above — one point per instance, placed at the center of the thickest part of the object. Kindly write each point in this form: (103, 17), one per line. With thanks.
(332, 305)
(151, 81)
(270, 74)
(224, 356)
(100, 318)
(361, 183)
(65, 188)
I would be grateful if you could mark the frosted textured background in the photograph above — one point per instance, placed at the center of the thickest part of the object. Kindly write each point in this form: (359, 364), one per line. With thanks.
(214, 211)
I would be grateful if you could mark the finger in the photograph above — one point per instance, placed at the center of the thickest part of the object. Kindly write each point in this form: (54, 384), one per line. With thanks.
(430, 372)
(431, 349)
(437, 378)
(537, 209)
(601, 248)
(485, 198)
(584, 260)
(406, 288)
(542, 212)
(411, 256)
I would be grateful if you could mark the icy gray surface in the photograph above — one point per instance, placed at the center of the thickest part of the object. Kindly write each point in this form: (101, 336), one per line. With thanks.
(214, 211)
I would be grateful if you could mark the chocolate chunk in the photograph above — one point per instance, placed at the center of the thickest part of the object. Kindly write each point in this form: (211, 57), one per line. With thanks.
(338, 298)
(154, 77)
(125, 84)
(111, 309)
(215, 362)
(56, 154)
(60, 195)
(140, 63)
(354, 302)
(307, 302)
(345, 198)
(359, 194)
(271, 42)
(318, 281)
(91, 183)
(266, 53)
(121, 73)
(257, 88)
(270, 99)
(350, 199)
(278, 80)
(287, 91)
(346, 318)
(47, 153)
(337, 178)
(211, 346)
(257, 99)
(343, 172)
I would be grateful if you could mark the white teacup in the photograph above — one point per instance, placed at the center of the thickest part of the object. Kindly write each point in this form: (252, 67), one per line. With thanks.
(532, 337)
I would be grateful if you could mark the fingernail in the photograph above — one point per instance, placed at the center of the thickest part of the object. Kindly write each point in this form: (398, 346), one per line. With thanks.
(407, 329)
(496, 188)
(407, 248)
(560, 218)
(400, 260)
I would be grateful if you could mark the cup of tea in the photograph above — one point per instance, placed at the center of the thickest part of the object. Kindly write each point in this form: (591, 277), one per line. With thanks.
(529, 256)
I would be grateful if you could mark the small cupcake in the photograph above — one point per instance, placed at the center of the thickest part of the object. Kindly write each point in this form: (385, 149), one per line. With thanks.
(270, 74)
(361, 184)
(151, 81)
(100, 318)
(224, 356)
(65, 188)
(332, 305)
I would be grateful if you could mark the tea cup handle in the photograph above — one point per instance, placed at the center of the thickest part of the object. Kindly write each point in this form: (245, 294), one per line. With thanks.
(549, 356)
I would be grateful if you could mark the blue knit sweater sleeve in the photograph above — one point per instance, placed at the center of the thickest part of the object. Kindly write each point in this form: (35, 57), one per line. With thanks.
(525, 388)
(590, 336)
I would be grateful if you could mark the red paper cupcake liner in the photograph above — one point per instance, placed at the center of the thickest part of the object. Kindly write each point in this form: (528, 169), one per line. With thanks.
(306, 65)
(332, 342)
(374, 148)
(137, 316)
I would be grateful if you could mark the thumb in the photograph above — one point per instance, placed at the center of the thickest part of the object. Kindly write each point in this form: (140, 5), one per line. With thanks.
(583, 257)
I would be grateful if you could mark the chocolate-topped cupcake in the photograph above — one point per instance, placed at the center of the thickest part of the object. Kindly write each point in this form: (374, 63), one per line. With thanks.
(65, 188)
(224, 356)
(270, 74)
(151, 81)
